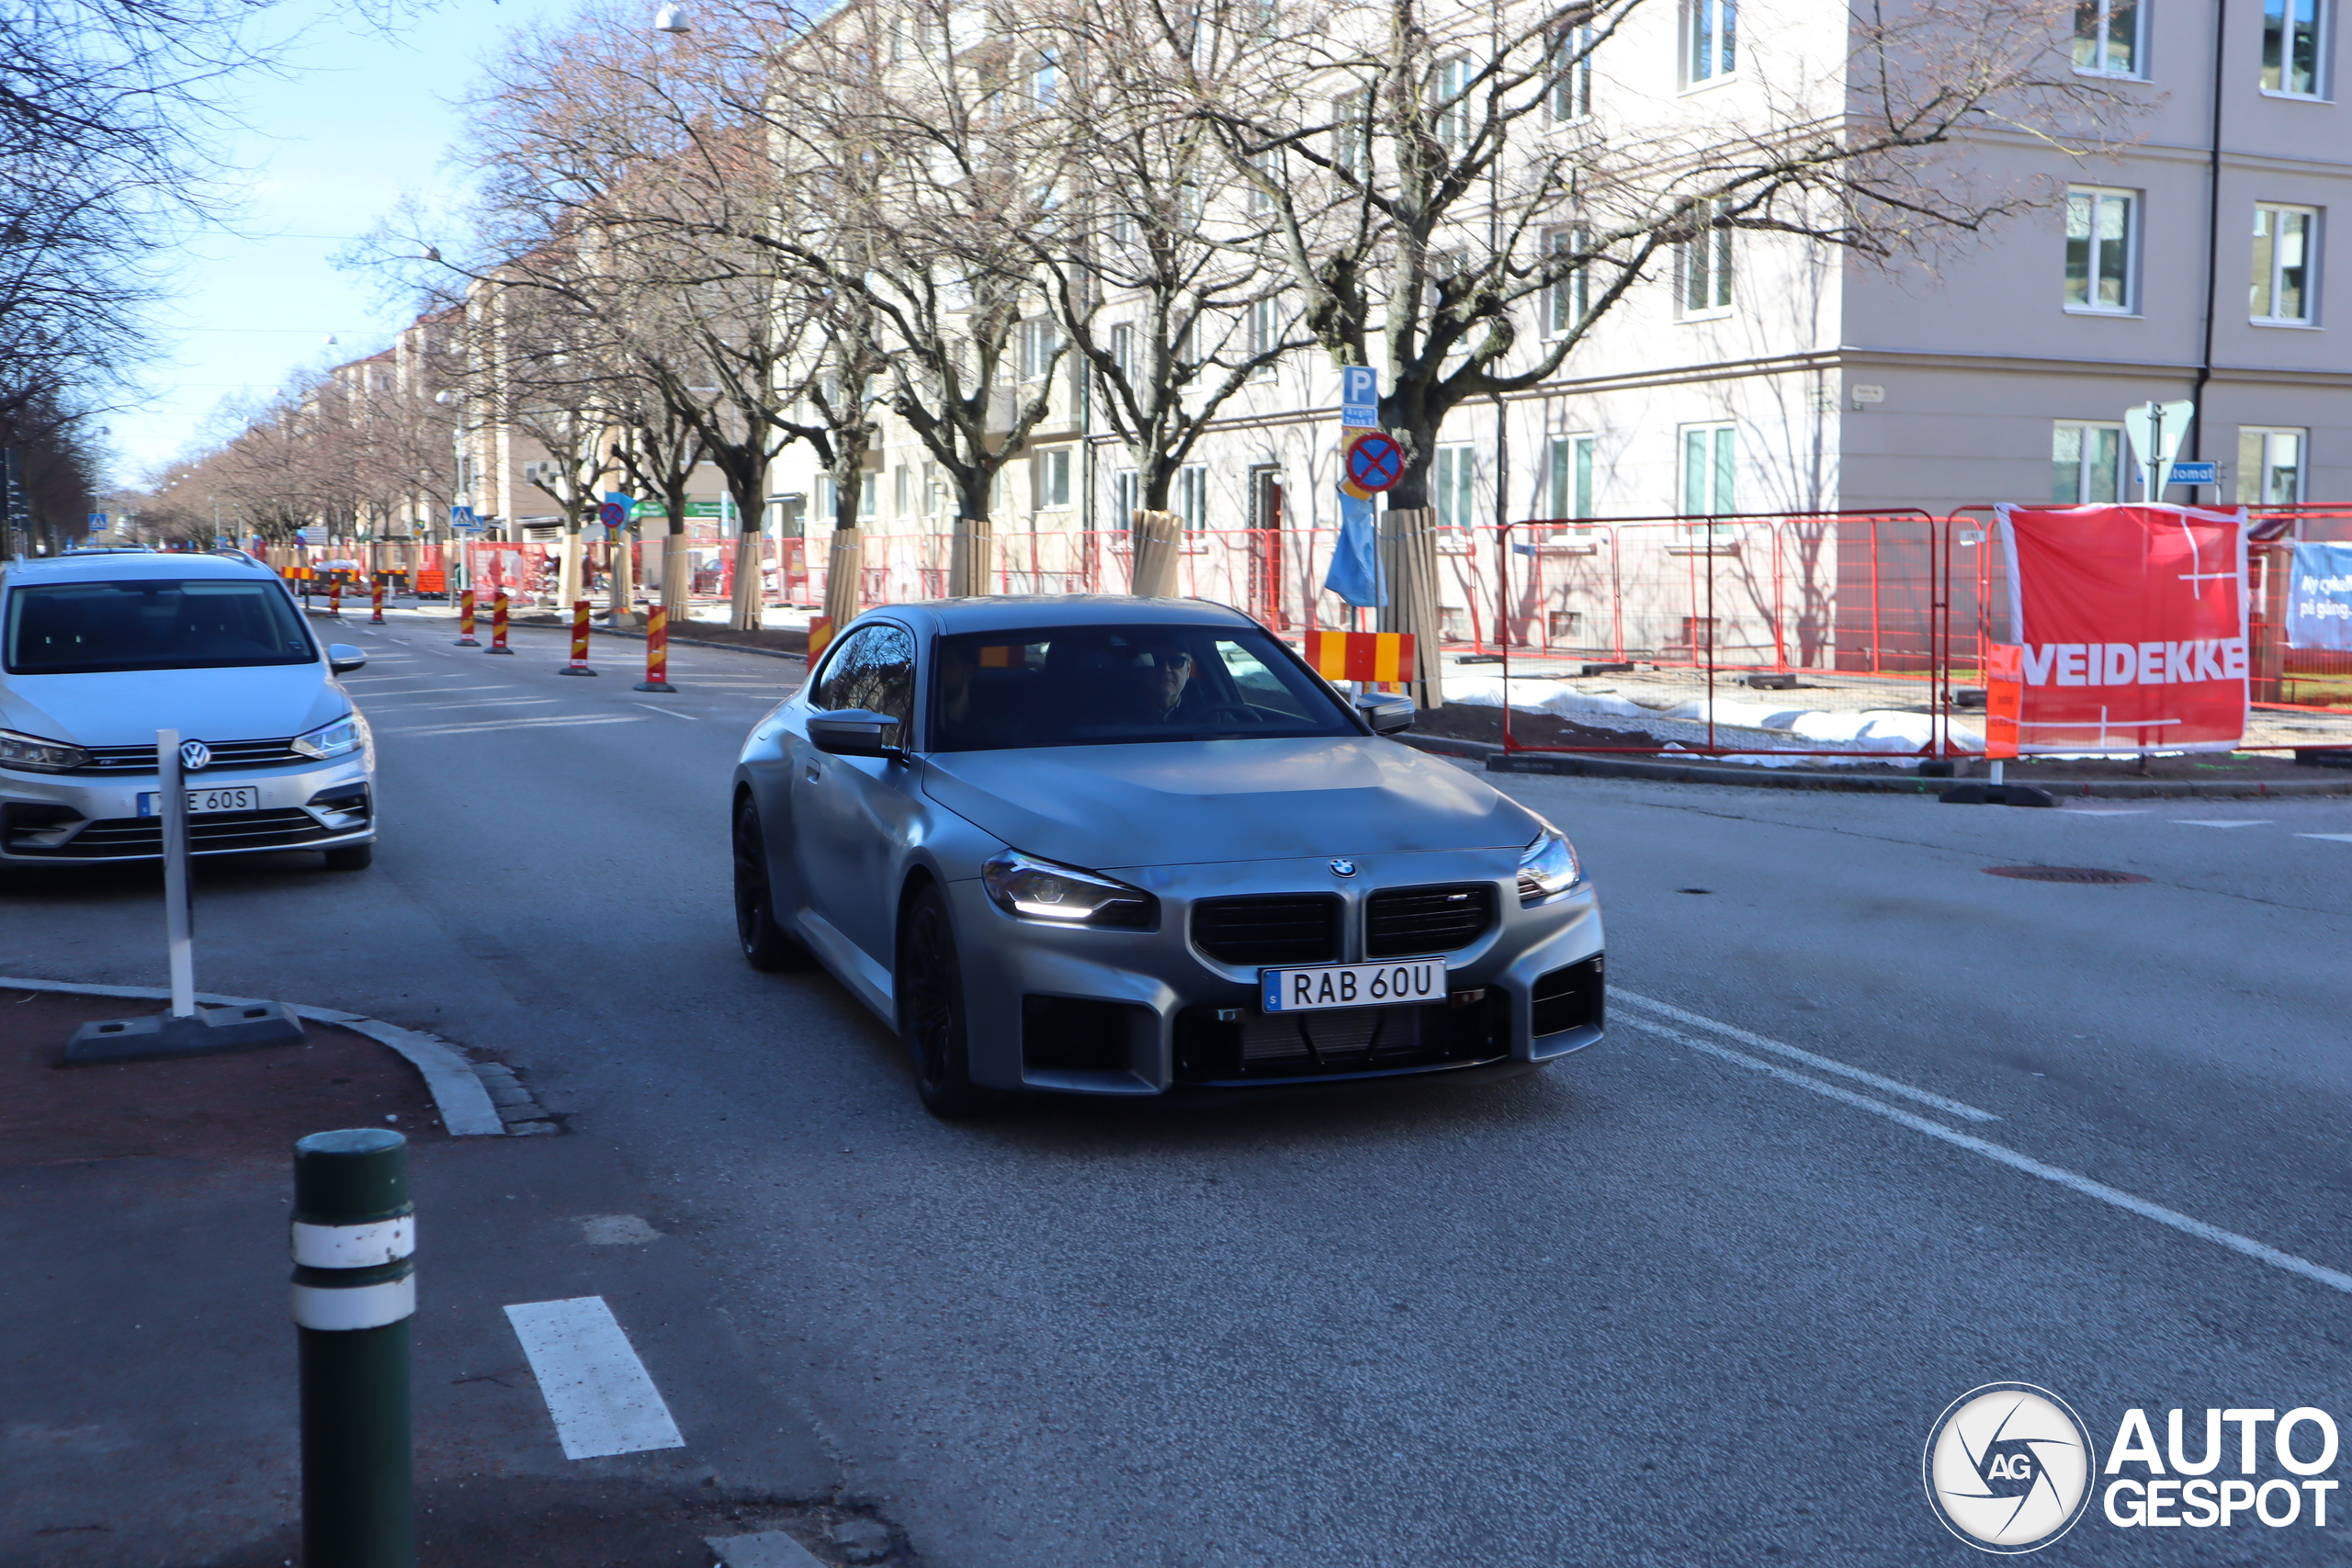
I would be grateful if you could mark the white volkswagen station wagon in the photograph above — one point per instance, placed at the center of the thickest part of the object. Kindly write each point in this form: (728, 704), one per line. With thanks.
(99, 651)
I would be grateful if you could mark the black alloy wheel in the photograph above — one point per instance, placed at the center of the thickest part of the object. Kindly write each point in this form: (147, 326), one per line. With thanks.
(930, 984)
(764, 943)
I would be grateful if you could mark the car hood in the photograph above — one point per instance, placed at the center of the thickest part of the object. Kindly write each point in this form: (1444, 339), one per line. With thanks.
(1188, 803)
(126, 707)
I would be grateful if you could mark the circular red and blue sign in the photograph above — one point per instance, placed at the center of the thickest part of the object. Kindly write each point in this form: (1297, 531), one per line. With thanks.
(1374, 462)
(613, 514)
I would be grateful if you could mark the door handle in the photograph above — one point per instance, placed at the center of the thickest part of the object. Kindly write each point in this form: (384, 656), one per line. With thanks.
(809, 771)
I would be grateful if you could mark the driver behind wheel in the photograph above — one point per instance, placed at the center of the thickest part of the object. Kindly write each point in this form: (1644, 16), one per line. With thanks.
(1158, 679)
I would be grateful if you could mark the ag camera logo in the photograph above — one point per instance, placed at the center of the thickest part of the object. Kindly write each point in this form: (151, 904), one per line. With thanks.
(2008, 1468)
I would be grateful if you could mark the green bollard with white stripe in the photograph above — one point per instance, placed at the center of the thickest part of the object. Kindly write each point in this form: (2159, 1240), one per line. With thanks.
(354, 1290)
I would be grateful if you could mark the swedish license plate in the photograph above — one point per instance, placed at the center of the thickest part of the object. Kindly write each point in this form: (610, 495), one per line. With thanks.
(245, 797)
(1351, 986)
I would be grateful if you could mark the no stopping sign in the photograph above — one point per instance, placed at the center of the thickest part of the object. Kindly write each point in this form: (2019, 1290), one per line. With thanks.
(1374, 462)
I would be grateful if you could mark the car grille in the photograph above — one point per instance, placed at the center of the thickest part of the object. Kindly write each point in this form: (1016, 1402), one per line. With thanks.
(214, 832)
(1404, 920)
(225, 754)
(1280, 928)
(1255, 1048)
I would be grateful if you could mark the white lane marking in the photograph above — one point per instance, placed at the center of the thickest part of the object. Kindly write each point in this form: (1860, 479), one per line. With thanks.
(2260, 1251)
(1961, 1109)
(483, 703)
(2223, 821)
(672, 712)
(596, 1390)
(2332, 838)
(2109, 810)
(547, 722)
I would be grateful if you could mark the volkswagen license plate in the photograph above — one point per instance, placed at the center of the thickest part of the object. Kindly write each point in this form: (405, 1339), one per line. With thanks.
(245, 797)
(1351, 986)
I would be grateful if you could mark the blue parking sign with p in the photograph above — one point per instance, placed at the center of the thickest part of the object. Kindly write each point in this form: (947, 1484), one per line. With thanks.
(1358, 398)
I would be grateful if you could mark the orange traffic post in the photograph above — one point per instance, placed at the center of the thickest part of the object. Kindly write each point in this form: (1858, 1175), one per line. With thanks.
(376, 604)
(579, 665)
(657, 651)
(1384, 657)
(820, 633)
(335, 598)
(466, 620)
(498, 625)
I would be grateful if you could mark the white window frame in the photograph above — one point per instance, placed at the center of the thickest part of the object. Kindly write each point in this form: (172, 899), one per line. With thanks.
(2095, 201)
(1049, 479)
(870, 494)
(1127, 497)
(901, 492)
(1571, 97)
(1453, 484)
(1571, 476)
(1352, 133)
(1717, 443)
(1710, 43)
(2084, 491)
(1450, 103)
(2270, 218)
(2256, 448)
(1568, 300)
(2101, 14)
(1044, 78)
(2323, 41)
(1191, 496)
(1265, 331)
(1122, 350)
(1713, 249)
(1039, 340)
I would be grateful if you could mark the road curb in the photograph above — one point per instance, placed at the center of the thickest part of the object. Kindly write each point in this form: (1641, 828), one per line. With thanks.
(705, 642)
(1497, 760)
(458, 1092)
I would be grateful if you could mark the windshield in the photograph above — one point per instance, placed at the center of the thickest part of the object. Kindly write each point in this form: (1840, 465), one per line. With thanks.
(74, 628)
(1111, 685)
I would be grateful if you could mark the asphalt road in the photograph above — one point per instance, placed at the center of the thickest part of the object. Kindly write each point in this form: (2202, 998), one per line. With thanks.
(1687, 1297)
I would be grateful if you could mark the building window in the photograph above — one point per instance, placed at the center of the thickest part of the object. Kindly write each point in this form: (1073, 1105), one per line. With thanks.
(1193, 495)
(1122, 231)
(1039, 343)
(1262, 165)
(1452, 117)
(2270, 467)
(2290, 47)
(2282, 264)
(869, 495)
(2099, 250)
(1052, 478)
(826, 495)
(901, 492)
(1702, 266)
(1711, 29)
(1569, 299)
(1572, 76)
(1045, 79)
(2086, 464)
(1127, 495)
(1122, 351)
(1352, 134)
(1569, 477)
(1710, 463)
(2107, 37)
(1265, 334)
(1456, 479)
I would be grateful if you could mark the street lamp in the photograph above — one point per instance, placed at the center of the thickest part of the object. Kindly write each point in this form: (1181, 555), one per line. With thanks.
(672, 18)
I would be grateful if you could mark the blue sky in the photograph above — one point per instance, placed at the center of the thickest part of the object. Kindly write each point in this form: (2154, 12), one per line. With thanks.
(362, 118)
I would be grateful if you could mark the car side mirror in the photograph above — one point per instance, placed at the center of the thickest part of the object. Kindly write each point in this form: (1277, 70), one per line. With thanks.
(343, 658)
(1387, 712)
(852, 732)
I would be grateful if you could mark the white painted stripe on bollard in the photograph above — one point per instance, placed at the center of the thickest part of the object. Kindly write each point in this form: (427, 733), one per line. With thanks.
(597, 1392)
(355, 1247)
(342, 1309)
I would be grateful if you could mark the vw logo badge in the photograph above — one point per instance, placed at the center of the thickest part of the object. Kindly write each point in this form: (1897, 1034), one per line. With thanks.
(194, 754)
(1343, 868)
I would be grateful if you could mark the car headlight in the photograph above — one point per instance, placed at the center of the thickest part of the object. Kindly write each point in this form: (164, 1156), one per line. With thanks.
(1546, 866)
(1032, 889)
(332, 740)
(36, 755)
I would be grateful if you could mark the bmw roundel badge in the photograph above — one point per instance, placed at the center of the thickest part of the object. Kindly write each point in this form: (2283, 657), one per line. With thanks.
(1343, 867)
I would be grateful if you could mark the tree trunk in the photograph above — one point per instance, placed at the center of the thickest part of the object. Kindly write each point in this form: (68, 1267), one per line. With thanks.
(620, 589)
(568, 580)
(677, 571)
(971, 551)
(845, 570)
(744, 605)
(1408, 555)
(1157, 539)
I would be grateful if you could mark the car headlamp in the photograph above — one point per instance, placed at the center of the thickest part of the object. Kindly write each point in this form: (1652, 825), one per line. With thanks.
(1547, 866)
(35, 755)
(345, 734)
(1032, 889)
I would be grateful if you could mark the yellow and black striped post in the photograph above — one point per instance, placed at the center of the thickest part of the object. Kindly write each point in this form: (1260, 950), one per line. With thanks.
(354, 1290)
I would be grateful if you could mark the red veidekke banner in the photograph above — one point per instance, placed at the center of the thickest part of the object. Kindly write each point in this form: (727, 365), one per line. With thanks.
(2130, 623)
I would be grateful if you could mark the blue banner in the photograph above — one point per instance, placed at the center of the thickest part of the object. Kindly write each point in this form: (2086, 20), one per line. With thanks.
(1356, 574)
(2319, 598)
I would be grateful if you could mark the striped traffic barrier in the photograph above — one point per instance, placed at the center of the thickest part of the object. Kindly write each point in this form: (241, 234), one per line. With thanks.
(334, 597)
(498, 625)
(579, 665)
(821, 635)
(466, 620)
(355, 1293)
(376, 604)
(1360, 656)
(657, 651)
